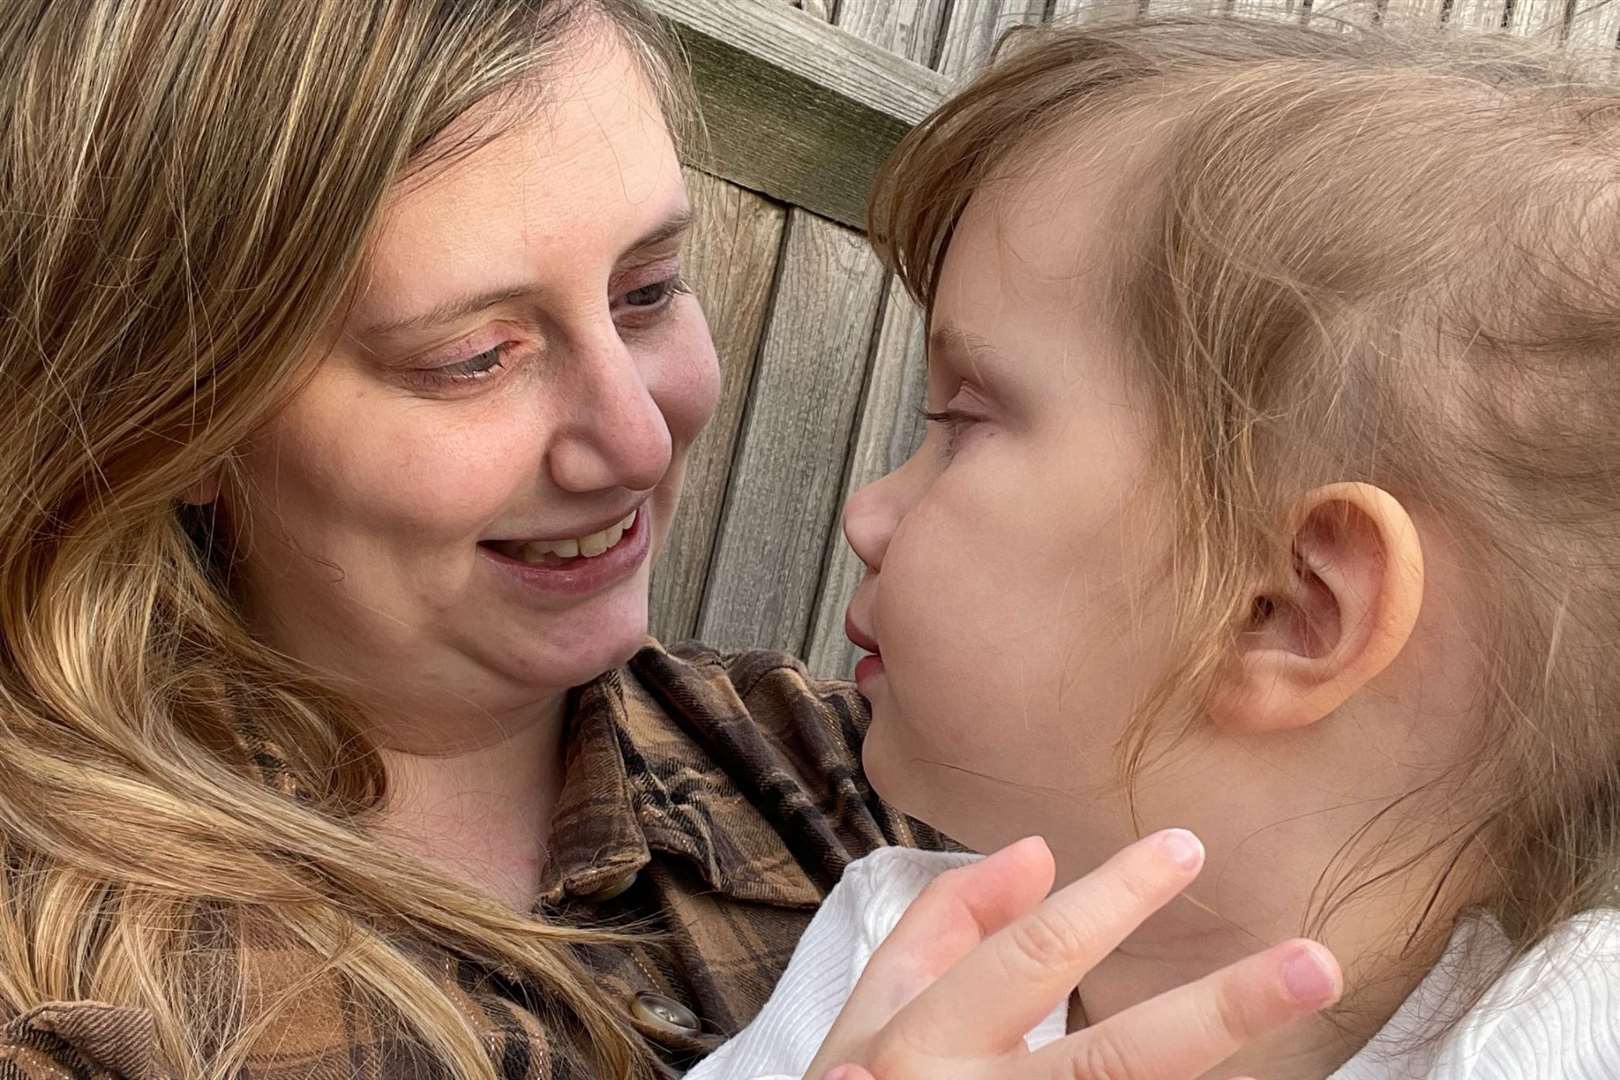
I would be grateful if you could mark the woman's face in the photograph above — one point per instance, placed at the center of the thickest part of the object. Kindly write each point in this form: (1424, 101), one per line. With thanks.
(439, 513)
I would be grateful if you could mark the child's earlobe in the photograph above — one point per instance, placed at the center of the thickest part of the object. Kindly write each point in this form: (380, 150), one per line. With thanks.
(1343, 617)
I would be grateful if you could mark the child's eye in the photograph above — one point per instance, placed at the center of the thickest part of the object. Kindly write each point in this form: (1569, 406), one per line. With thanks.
(955, 424)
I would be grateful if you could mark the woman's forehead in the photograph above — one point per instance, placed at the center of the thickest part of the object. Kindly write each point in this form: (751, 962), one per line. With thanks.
(580, 174)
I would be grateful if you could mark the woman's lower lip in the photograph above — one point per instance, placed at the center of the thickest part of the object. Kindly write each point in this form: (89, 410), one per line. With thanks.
(581, 576)
(869, 668)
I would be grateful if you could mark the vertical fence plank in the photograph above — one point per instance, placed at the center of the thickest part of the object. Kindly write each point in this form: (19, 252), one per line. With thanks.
(907, 28)
(1595, 27)
(729, 264)
(1476, 15)
(1542, 19)
(789, 469)
(1069, 10)
(1187, 7)
(896, 372)
(1413, 13)
(974, 28)
(890, 427)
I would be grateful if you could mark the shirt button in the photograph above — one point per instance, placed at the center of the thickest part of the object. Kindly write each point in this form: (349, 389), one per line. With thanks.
(663, 1014)
(614, 887)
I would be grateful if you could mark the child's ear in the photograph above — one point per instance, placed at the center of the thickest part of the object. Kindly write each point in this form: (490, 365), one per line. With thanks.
(1345, 613)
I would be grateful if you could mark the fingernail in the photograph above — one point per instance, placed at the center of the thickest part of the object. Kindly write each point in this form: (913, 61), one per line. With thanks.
(1184, 849)
(841, 1072)
(1311, 976)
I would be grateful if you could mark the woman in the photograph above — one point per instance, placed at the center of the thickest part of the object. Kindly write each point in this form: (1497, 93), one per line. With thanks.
(348, 382)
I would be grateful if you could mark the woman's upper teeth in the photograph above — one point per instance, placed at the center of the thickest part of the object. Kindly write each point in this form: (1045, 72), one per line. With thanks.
(589, 546)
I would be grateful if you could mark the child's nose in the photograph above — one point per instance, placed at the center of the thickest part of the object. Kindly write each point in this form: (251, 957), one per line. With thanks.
(869, 520)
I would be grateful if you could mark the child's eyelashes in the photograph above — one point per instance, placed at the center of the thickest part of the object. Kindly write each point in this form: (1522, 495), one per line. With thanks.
(955, 424)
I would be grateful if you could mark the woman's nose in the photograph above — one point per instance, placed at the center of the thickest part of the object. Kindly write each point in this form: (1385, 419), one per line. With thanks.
(619, 437)
(870, 518)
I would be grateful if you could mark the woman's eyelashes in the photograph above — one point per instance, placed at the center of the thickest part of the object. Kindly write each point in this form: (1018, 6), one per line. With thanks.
(481, 365)
(645, 303)
(639, 307)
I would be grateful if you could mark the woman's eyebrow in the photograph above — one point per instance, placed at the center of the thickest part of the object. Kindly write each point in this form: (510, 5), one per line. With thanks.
(674, 225)
(459, 307)
(456, 307)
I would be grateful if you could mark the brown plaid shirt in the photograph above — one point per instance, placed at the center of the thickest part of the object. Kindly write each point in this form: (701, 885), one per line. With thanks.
(712, 799)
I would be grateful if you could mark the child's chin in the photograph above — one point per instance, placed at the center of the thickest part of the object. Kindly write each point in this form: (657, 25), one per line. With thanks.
(892, 770)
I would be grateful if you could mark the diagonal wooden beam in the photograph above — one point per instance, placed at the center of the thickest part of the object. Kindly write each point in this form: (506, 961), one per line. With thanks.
(797, 109)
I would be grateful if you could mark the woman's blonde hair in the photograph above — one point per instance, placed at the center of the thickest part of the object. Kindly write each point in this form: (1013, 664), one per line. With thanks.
(1359, 255)
(187, 191)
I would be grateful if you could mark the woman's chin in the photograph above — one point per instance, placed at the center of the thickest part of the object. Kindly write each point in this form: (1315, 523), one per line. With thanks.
(576, 650)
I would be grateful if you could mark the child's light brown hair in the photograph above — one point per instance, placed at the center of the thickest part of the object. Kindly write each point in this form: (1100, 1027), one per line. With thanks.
(1361, 256)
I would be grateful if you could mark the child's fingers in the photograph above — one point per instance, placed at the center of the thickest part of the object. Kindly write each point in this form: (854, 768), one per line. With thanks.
(1193, 1028)
(957, 911)
(1002, 989)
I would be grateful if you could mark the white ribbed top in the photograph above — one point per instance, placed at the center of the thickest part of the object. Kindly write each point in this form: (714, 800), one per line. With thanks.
(1554, 1016)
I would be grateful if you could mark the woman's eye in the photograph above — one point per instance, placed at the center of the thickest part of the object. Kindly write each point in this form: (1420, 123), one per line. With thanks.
(655, 295)
(481, 366)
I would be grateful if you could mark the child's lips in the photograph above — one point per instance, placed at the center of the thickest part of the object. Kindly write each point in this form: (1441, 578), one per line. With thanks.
(859, 637)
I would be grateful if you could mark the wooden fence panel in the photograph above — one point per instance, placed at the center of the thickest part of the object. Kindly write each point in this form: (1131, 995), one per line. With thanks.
(974, 28)
(1476, 15)
(890, 428)
(896, 369)
(730, 263)
(1595, 25)
(789, 469)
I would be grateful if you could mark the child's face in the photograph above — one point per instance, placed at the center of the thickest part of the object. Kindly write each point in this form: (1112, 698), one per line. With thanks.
(1008, 556)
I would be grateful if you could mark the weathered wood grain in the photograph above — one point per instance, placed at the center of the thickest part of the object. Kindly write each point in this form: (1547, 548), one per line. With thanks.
(974, 28)
(809, 48)
(1476, 15)
(1595, 26)
(730, 262)
(789, 468)
(1069, 10)
(890, 428)
(908, 28)
(1413, 13)
(1189, 7)
(1541, 19)
(796, 108)
(895, 380)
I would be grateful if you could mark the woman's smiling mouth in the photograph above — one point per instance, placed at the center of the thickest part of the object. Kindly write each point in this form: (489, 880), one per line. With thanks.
(574, 566)
(556, 552)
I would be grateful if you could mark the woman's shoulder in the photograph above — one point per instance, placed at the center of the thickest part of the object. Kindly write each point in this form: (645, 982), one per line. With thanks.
(764, 705)
(84, 1040)
(760, 724)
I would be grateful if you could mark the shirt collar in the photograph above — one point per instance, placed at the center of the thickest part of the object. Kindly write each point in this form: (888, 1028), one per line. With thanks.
(640, 782)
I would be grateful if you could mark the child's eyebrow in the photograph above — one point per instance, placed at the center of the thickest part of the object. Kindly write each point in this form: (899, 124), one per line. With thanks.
(965, 350)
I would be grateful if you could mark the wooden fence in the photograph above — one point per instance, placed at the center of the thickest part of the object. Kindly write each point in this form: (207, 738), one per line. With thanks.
(822, 354)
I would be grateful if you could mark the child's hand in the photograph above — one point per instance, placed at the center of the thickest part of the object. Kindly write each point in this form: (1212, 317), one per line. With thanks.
(978, 960)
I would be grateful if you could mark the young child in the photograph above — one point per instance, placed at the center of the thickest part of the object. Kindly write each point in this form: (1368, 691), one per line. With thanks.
(1275, 475)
